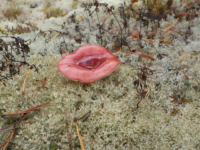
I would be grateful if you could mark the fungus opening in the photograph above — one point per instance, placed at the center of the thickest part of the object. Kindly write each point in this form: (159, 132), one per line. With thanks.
(91, 62)
(88, 63)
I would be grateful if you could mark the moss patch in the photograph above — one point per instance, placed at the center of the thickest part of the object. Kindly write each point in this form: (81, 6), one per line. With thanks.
(116, 125)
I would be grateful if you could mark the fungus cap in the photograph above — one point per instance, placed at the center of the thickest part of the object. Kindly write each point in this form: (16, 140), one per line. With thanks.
(88, 63)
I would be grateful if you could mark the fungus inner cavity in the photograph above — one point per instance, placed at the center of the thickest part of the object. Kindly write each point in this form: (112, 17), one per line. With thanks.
(91, 62)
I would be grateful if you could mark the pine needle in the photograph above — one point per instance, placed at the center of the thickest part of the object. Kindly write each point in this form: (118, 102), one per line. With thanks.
(151, 41)
(28, 110)
(79, 137)
(55, 36)
(7, 141)
(53, 61)
(3, 129)
(145, 55)
(24, 85)
(191, 53)
(169, 27)
(63, 51)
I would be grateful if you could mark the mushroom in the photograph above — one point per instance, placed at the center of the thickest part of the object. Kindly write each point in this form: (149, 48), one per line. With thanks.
(88, 63)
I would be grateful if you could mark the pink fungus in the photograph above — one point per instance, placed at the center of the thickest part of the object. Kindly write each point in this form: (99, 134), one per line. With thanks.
(88, 63)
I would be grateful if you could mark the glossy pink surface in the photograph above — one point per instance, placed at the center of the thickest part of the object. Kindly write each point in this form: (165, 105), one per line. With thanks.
(91, 62)
(88, 63)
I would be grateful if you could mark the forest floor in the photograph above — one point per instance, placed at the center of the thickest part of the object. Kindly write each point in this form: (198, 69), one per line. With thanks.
(150, 101)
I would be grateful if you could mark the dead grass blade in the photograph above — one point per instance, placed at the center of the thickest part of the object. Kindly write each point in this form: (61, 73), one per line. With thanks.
(28, 110)
(7, 141)
(79, 137)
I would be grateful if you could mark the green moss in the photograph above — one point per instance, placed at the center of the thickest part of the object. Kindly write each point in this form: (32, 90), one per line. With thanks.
(53, 147)
(116, 121)
(77, 104)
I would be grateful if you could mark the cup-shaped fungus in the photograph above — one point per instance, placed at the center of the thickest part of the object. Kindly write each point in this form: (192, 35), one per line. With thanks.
(88, 63)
